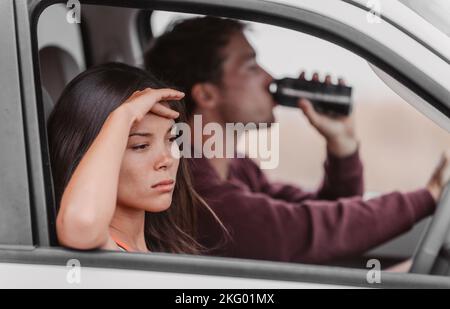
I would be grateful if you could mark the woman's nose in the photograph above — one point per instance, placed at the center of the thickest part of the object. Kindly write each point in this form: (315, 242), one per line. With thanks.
(164, 160)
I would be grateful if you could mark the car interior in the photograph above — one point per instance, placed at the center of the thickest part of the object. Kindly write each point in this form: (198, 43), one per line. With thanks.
(120, 34)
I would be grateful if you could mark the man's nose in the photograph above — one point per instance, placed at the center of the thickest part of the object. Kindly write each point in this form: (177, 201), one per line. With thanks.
(267, 77)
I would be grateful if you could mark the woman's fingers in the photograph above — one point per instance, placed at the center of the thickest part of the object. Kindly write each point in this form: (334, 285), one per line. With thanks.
(164, 111)
(163, 94)
(135, 95)
(148, 100)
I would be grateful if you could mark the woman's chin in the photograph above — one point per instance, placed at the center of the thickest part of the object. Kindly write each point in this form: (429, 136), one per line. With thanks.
(160, 204)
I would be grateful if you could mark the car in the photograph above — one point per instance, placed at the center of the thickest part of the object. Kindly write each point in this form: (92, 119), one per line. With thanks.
(407, 47)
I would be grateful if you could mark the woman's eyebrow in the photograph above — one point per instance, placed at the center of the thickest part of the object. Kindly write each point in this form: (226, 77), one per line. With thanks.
(145, 134)
(170, 129)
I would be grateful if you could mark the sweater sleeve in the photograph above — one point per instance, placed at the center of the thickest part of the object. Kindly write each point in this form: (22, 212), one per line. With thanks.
(312, 231)
(343, 177)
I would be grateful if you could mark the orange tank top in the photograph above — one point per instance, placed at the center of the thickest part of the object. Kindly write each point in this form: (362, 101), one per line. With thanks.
(121, 245)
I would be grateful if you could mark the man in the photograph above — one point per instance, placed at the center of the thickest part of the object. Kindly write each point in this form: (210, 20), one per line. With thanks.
(211, 60)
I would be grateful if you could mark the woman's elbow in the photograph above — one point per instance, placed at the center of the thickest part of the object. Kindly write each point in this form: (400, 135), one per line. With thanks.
(81, 232)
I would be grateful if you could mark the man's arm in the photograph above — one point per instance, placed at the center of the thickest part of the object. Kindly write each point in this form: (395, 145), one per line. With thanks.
(309, 231)
(343, 177)
(343, 168)
(312, 231)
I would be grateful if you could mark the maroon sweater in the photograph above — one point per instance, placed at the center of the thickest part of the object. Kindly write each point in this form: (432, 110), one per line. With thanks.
(281, 222)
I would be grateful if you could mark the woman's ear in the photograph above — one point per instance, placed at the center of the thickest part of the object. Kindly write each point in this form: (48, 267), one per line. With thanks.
(205, 95)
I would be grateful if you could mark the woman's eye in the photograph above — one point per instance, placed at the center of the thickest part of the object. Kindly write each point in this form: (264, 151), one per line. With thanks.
(174, 137)
(140, 147)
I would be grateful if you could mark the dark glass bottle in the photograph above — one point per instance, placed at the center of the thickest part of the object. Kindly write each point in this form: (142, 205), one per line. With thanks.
(326, 98)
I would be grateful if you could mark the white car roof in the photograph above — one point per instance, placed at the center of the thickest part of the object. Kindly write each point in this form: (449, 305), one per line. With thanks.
(396, 12)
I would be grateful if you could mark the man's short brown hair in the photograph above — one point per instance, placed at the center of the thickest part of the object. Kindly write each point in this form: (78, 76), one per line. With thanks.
(190, 53)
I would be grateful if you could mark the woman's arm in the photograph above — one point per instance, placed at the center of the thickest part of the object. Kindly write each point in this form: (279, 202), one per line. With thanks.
(89, 200)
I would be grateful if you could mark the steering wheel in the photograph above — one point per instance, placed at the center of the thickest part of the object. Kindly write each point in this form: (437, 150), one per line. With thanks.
(429, 246)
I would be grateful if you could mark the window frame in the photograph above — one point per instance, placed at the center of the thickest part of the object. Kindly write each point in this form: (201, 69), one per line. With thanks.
(221, 267)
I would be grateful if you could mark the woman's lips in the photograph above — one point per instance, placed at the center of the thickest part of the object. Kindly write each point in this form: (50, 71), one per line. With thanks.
(164, 186)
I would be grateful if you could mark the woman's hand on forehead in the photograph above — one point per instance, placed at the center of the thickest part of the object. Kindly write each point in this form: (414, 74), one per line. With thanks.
(152, 100)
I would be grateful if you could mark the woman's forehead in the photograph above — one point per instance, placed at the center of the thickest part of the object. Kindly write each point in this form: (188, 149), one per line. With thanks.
(153, 123)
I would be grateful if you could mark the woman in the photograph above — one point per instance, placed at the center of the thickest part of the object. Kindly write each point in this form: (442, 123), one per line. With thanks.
(117, 183)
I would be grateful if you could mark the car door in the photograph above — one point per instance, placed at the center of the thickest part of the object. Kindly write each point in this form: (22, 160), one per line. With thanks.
(15, 220)
(27, 230)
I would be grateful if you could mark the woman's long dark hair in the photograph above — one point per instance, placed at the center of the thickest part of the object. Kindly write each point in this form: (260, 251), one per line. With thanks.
(76, 121)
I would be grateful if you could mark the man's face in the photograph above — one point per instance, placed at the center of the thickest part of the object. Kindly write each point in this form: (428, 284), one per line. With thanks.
(244, 94)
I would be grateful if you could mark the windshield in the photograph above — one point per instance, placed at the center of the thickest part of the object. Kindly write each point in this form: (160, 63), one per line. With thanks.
(436, 12)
